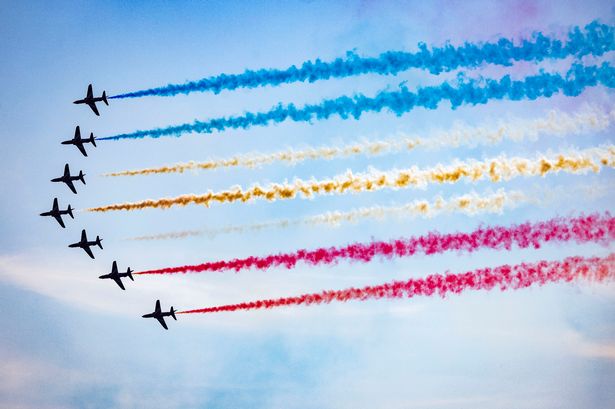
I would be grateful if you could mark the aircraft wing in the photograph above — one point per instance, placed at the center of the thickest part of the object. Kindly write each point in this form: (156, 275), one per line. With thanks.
(81, 148)
(88, 250)
(90, 93)
(93, 106)
(161, 321)
(58, 217)
(118, 281)
(70, 185)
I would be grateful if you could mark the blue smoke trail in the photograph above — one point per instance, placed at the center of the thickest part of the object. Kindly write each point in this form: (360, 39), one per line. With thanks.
(595, 39)
(471, 92)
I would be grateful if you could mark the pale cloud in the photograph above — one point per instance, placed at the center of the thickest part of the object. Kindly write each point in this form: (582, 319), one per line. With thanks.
(75, 282)
(582, 346)
(21, 375)
(595, 350)
(78, 285)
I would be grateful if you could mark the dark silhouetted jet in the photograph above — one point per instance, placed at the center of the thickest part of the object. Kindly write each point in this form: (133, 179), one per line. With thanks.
(159, 315)
(78, 141)
(91, 101)
(57, 213)
(68, 179)
(85, 244)
(117, 277)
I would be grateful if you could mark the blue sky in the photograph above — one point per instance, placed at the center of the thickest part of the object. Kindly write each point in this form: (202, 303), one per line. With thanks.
(70, 340)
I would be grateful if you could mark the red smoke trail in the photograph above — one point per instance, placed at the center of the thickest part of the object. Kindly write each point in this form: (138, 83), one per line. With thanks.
(593, 228)
(505, 277)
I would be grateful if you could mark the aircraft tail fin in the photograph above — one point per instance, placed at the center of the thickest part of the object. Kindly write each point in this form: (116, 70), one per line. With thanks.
(173, 313)
(98, 242)
(69, 210)
(104, 98)
(92, 139)
(129, 272)
(81, 175)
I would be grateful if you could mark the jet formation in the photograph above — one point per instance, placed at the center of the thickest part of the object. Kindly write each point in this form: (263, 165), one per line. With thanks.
(90, 100)
(68, 179)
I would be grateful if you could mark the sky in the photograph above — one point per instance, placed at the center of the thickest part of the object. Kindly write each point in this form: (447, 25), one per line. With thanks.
(70, 340)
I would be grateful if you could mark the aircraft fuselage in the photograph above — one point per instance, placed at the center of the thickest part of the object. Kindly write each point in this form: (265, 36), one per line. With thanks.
(55, 213)
(88, 100)
(66, 179)
(83, 244)
(118, 275)
(158, 315)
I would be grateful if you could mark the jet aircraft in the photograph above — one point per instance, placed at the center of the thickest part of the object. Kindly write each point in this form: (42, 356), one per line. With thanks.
(159, 315)
(57, 213)
(68, 179)
(78, 141)
(85, 244)
(117, 277)
(90, 100)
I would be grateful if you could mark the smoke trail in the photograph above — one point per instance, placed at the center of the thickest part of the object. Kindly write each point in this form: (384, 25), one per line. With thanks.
(555, 123)
(471, 92)
(469, 204)
(595, 39)
(496, 170)
(598, 228)
(504, 277)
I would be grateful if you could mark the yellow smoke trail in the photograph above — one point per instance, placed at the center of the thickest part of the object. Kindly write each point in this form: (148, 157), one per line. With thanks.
(469, 204)
(589, 118)
(495, 170)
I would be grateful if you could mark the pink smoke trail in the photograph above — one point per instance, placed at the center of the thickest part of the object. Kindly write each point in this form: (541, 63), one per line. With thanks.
(504, 277)
(592, 228)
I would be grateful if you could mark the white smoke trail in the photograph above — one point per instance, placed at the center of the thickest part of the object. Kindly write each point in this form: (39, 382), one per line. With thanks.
(469, 204)
(555, 123)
